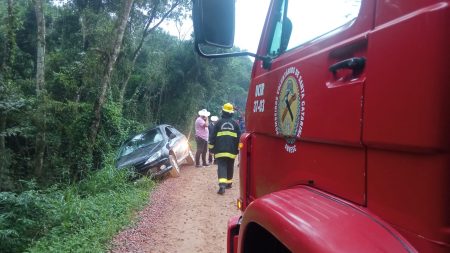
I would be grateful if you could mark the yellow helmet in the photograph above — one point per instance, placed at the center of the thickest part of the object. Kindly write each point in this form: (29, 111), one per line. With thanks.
(228, 108)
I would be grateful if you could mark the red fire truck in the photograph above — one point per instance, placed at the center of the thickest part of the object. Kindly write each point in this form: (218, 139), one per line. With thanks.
(347, 125)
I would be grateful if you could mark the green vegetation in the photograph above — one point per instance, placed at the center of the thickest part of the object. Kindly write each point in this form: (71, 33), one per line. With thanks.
(49, 130)
(76, 79)
(82, 217)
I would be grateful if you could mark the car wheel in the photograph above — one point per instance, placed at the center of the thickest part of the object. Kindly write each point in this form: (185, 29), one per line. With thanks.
(175, 171)
(190, 160)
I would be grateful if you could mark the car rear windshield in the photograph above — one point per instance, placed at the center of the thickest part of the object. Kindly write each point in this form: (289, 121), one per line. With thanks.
(141, 140)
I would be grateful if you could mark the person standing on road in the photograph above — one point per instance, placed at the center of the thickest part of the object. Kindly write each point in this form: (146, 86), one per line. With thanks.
(214, 120)
(201, 137)
(225, 141)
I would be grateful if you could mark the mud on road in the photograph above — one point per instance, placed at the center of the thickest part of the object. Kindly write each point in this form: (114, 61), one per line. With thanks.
(184, 214)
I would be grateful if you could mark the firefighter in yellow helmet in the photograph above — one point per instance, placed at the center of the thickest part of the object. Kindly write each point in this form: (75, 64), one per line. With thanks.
(224, 142)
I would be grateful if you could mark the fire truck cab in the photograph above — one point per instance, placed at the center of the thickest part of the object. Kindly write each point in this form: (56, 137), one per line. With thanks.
(347, 143)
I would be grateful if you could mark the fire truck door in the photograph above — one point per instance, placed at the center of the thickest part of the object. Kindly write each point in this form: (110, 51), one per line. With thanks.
(318, 94)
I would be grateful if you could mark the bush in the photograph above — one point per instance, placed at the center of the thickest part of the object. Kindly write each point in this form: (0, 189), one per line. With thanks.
(21, 219)
(81, 218)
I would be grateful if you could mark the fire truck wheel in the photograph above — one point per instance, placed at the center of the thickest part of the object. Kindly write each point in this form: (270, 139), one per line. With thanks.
(175, 171)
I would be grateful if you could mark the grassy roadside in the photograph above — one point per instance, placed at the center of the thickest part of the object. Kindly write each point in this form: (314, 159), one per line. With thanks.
(76, 218)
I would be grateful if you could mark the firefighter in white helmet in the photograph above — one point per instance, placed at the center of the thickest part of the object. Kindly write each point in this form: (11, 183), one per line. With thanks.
(224, 142)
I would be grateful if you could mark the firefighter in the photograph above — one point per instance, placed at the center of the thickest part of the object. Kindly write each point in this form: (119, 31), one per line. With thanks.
(224, 142)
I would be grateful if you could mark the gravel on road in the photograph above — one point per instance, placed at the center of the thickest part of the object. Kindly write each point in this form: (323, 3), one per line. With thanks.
(184, 214)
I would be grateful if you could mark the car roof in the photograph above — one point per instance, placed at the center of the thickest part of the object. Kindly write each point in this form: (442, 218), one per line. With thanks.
(160, 126)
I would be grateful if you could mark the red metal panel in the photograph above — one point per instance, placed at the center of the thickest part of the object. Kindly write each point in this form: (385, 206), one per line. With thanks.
(333, 116)
(244, 176)
(412, 192)
(389, 10)
(333, 112)
(407, 122)
(307, 220)
(232, 237)
(406, 101)
(336, 169)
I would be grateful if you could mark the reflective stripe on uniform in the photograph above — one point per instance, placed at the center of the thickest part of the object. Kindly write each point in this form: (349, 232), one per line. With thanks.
(210, 146)
(229, 133)
(222, 180)
(230, 181)
(229, 155)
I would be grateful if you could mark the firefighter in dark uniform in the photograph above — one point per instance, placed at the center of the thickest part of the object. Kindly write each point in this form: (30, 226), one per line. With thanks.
(225, 142)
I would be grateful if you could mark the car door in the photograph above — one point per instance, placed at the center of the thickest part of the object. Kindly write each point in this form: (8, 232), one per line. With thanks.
(174, 142)
(312, 96)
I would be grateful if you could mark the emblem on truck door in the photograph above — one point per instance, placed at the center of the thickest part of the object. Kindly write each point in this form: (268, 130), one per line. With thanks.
(290, 107)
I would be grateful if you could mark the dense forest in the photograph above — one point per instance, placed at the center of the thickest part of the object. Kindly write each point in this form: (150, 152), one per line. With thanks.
(77, 77)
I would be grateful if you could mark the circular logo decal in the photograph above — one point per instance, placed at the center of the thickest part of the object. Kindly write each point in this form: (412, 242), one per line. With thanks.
(290, 107)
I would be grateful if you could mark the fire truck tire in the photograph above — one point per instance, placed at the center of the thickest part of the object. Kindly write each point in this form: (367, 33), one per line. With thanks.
(175, 171)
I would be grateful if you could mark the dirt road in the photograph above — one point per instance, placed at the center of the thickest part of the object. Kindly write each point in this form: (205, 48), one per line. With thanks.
(184, 214)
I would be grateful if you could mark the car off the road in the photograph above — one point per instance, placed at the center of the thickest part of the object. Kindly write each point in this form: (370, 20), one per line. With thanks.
(155, 152)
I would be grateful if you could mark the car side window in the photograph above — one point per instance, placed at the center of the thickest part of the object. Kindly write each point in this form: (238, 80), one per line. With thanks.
(300, 21)
(168, 132)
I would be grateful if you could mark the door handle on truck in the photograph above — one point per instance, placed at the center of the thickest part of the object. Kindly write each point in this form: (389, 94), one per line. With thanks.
(356, 64)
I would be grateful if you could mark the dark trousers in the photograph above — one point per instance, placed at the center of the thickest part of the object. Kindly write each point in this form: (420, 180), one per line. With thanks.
(210, 156)
(202, 146)
(225, 169)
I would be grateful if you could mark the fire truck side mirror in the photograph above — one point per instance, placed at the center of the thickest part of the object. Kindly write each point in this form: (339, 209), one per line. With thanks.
(214, 22)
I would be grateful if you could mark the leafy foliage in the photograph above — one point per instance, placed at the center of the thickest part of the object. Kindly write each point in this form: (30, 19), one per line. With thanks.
(81, 217)
(157, 78)
(167, 83)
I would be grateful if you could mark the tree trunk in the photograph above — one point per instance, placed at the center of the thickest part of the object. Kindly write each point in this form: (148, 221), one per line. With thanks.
(111, 60)
(147, 31)
(6, 69)
(40, 92)
(10, 41)
(83, 29)
(3, 167)
(40, 59)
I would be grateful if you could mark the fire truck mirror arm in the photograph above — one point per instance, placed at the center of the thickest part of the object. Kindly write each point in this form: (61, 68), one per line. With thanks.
(266, 60)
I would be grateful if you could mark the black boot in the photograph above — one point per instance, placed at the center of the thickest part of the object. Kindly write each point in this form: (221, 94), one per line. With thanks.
(228, 186)
(221, 190)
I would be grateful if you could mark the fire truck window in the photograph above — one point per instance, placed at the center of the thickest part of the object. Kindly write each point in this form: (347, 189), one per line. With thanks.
(312, 19)
(275, 46)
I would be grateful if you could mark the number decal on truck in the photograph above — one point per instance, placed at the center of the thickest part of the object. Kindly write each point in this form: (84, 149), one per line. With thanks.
(290, 107)
(258, 104)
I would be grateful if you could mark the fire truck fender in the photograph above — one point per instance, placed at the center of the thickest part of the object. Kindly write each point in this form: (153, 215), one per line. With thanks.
(305, 219)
